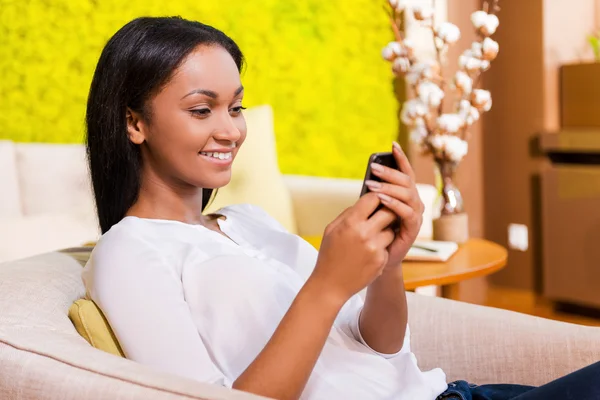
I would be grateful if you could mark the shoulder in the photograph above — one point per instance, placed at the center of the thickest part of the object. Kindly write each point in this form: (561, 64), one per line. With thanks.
(127, 235)
(134, 246)
(252, 214)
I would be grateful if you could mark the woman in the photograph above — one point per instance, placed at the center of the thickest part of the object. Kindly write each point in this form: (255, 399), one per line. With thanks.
(232, 298)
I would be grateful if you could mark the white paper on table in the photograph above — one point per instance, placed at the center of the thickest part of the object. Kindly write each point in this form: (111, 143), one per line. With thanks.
(443, 251)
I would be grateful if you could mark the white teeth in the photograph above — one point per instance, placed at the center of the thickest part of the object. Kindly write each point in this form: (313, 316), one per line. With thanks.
(220, 156)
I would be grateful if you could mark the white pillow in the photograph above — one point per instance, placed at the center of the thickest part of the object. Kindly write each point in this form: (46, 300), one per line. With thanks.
(27, 236)
(53, 178)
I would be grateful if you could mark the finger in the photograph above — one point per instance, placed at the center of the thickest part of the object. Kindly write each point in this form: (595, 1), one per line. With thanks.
(408, 195)
(364, 207)
(392, 175)
(385, 238)
(381, 220)
(402, 160)
(411, 219)
(344, 214)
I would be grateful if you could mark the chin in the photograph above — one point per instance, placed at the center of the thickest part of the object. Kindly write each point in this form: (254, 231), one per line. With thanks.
(215, 183)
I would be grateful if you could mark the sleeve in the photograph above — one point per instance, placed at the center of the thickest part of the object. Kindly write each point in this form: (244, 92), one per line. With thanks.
(348, 322)
(142, 299)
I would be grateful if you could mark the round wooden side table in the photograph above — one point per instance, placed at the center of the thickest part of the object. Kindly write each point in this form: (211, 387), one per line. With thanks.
(475, 258)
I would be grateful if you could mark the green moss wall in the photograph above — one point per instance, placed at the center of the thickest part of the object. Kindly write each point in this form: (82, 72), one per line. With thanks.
(316, 62)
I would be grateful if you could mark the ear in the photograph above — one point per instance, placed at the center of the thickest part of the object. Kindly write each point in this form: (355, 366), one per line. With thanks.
(135, 127)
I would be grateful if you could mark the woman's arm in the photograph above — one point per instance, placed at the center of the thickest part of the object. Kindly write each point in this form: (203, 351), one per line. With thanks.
(384, 316)
(283, 367)
(353, 254)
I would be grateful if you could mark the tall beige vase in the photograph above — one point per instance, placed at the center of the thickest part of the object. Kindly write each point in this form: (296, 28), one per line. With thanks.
(452, 228)
(453, 223)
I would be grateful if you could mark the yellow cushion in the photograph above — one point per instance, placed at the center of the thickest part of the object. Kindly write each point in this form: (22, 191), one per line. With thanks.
(314, 240)
(256, 178)
(91, 324)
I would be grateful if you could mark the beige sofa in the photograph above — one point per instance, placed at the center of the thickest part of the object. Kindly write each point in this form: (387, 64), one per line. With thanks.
(43, 357)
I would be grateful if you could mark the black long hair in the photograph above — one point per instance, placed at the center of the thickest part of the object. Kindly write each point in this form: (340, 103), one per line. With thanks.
(134, 65)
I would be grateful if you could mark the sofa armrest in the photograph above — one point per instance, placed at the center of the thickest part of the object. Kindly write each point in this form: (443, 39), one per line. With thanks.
(487, 345)
(317, 201)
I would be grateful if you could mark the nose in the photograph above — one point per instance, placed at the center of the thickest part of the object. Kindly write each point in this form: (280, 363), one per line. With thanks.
(227, 129)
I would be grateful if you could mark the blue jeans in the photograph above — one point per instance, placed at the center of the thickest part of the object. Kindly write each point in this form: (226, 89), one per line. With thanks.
(583, 384)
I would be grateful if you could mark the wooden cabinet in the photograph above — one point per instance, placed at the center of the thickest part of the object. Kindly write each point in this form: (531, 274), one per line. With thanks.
(570, 203)
(580, 95)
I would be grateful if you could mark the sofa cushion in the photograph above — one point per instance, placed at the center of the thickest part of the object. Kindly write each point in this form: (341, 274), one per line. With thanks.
(10, 203)
(91, 324)
(256, 178)
(34, 234)
(53, 178)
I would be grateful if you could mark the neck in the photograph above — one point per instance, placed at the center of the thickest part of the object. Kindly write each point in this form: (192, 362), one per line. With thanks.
(160, 198)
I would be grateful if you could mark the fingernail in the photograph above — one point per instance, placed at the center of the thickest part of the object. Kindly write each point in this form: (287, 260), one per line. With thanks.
(397, 146)
(373, 184)
(376, 167)
(384, 198)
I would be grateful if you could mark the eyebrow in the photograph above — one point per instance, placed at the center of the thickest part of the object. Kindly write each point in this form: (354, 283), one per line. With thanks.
(210, 93)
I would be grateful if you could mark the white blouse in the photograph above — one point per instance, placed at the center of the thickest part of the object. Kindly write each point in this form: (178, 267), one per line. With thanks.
(187, 300)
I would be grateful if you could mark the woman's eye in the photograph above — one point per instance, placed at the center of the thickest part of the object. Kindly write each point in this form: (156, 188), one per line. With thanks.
(202, 112)
(237, 110)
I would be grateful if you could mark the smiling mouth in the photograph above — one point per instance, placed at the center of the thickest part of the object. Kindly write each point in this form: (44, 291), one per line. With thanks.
(219, 156)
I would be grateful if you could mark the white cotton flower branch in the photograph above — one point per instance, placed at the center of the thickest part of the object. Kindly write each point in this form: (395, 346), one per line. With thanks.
(430, 94)
(413, 111)
(418, 132)
(399, 5)
(490, 49)
(423, 13)
(481, 99)
(448, 33)
(468, 112)
(450, 123)
(463, 82)
(449, 147)
(438, 132)
(485, 23)
(423, 71)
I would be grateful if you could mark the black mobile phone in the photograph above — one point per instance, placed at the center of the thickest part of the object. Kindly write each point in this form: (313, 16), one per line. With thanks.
(387, 159)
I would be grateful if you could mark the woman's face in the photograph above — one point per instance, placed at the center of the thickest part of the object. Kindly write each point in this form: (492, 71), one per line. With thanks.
(196, 125)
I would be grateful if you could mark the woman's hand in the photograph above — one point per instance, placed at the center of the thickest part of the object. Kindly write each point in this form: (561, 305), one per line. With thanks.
(354, 251)
(399, 193)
